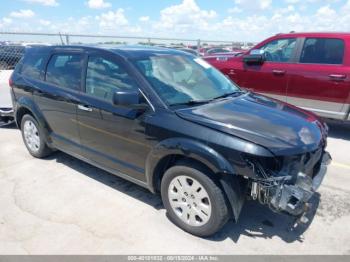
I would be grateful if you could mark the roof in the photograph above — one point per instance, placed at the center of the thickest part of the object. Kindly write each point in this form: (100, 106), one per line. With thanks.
(140, 51)
(317, 34)
(127, 51)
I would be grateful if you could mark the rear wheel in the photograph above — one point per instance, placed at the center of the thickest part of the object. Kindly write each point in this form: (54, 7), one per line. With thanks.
(34, 137)
(193, 200)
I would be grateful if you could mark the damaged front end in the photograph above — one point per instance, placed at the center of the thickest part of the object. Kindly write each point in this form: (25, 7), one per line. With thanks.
(289, 187)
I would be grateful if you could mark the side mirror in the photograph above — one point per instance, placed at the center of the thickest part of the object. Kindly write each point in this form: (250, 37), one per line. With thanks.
(130, 99)
(255, 57)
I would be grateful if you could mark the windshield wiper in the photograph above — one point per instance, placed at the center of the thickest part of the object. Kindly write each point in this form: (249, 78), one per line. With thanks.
(230, 94)
(192, 102)
(206, 101)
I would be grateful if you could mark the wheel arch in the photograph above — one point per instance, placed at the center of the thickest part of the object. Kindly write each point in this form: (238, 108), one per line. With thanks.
(27, 106)
(20, 112)
(168, 152)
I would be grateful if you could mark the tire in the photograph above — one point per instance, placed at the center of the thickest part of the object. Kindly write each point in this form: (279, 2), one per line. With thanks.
(206, 211)
(34, 137)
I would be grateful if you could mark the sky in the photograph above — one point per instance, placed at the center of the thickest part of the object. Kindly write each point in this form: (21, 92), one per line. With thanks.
(229, 20)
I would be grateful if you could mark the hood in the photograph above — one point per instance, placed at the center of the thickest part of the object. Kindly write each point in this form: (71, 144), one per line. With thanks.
(282, 128)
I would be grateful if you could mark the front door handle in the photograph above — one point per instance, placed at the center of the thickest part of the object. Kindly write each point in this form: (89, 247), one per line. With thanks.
(85, 108)
(337, 77)
(278, 72)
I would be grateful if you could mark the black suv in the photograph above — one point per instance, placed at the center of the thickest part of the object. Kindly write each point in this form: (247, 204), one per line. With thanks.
(170, 122)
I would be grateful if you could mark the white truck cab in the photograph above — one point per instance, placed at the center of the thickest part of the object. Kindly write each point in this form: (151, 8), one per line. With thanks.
(6, 110)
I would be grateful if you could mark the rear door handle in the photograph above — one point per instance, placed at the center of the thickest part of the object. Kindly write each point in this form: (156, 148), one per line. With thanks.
(85, 108)
(337, 77)
(278, 72)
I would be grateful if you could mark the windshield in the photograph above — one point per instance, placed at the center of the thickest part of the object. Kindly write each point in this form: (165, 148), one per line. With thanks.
(180, 79)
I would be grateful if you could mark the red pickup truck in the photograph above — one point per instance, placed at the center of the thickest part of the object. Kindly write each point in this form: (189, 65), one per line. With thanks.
(309, 70)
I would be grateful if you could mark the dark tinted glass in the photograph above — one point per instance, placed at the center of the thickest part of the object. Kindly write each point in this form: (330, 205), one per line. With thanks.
(218, 50)
(64, 70)
(33, 64)
(105, 77)
(323, 51)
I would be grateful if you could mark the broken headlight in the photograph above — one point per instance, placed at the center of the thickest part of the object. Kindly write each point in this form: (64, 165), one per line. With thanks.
(286, 184)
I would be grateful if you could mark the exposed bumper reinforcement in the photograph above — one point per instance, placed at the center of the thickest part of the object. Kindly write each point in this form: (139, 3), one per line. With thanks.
(293, 199)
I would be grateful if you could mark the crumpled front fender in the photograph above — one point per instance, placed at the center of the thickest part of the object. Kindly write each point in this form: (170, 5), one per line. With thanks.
(188, 148)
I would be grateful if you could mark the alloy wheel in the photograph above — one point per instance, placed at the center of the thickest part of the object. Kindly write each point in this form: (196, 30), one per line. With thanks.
(31, 136)
(189, 200)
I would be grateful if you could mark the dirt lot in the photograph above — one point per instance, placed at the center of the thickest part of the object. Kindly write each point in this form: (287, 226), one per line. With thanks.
(63, 206)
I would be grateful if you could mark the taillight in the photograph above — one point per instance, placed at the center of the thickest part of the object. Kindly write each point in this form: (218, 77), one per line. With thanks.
(10, 82)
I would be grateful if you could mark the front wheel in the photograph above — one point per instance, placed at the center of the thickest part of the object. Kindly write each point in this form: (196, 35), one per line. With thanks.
(193, 200)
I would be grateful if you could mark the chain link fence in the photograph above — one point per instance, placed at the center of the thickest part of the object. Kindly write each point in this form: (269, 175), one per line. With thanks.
(13, 45)
(10, 55)
(58, 38)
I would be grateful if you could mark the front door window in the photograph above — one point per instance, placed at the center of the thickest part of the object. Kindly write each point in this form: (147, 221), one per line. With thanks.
(280, 50)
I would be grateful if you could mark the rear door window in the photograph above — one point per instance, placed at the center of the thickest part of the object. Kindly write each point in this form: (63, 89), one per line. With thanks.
(104, 77)
(322, 51)
(64, 70)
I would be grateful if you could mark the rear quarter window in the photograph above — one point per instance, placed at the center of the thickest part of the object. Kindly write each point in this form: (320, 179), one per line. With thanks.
(33, 64)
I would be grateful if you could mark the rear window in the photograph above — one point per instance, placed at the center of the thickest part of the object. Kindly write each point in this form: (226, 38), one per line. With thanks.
(322, 51)
(64, 70)
(33, 63)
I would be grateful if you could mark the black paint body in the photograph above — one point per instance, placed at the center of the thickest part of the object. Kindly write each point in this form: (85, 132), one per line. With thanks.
(138, 146)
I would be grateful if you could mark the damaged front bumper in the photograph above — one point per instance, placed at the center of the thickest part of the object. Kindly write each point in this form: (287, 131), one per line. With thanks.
(292, 198)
